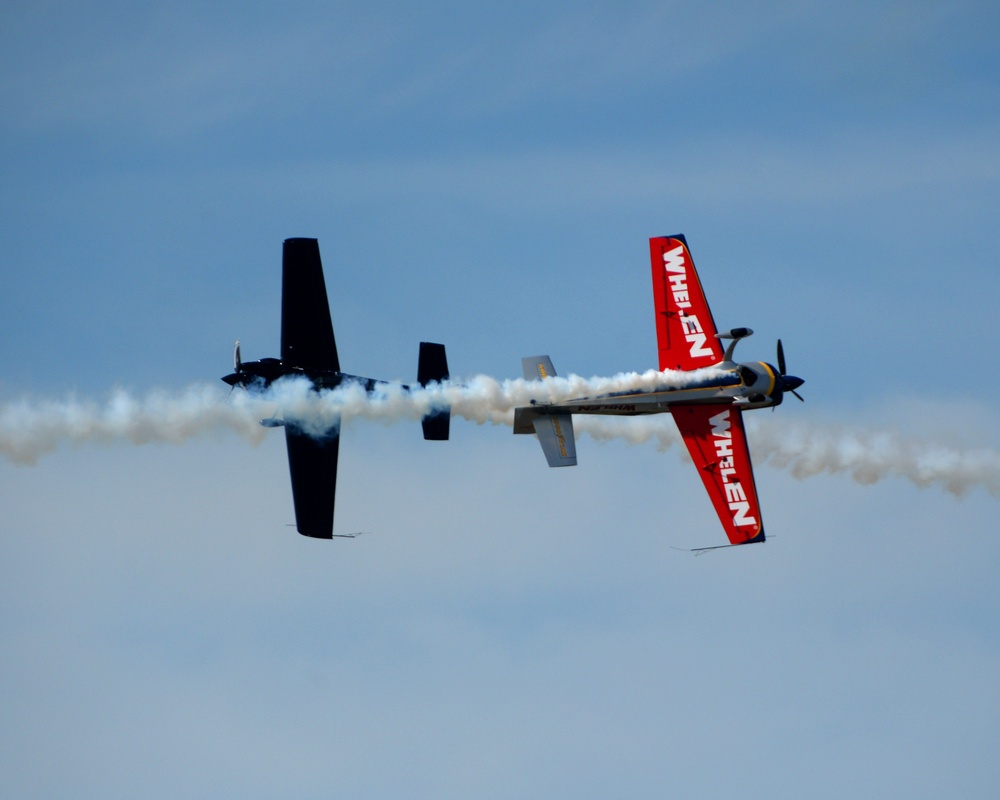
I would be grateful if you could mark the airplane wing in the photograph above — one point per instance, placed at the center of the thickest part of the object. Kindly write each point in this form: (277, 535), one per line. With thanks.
(717, 442)
(312, 463)
(306, 329)
(307, 341)
(685, 330)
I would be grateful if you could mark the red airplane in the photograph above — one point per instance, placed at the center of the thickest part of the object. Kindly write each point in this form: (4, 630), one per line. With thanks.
(708, 408)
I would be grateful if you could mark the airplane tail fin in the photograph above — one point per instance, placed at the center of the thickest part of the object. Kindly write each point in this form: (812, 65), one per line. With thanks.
(537, 368)
(433, 367)
(555, 431)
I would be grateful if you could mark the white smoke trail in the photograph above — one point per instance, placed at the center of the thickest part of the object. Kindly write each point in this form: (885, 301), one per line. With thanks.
(809, 448)
(868, 456)
(481, 399)
(30, 429)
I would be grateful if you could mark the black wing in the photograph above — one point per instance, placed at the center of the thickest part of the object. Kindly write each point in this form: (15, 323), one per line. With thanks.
(312, 463)
(306, 329)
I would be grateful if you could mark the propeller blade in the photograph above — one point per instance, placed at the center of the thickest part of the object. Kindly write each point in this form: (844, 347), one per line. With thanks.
(781, 358)
(798, 395)
(237, 361)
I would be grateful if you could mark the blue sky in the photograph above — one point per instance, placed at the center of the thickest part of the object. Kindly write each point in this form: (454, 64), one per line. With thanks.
(488, 177)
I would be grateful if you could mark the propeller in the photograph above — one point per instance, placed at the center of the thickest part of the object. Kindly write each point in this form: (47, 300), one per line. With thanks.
(789, 383)
(236, 377)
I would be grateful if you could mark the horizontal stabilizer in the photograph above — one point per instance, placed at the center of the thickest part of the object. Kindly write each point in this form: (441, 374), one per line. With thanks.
(537, 368)
(432, 367)
(524, 419)
(437, 425)
(432, 364)
(555, 432)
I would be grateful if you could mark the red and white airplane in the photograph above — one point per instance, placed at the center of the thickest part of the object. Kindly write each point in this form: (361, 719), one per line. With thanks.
(708, 409)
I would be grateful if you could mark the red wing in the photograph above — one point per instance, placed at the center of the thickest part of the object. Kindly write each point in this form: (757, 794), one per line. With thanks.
(685, 330)
(717, 442)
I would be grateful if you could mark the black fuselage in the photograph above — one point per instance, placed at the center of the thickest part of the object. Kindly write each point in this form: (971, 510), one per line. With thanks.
(261, 374)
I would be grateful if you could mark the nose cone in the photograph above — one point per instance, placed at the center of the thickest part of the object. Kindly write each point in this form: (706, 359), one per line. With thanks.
(790, 383)
(233, 378)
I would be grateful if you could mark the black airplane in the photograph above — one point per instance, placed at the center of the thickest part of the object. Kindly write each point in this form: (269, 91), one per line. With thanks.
(308, 350)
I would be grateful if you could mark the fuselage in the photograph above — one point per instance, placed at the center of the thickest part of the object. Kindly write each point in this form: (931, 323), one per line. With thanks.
(432, 367)
(749, 385)
(258, 375)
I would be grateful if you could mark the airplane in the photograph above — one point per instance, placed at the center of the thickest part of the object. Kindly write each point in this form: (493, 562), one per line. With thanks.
(708, 409)
(309, 350)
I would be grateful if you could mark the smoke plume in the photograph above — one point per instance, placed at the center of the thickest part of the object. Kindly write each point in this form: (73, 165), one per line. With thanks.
(812, 448)
(29, 429)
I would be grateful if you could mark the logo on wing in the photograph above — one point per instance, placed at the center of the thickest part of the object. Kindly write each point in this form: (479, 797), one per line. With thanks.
(675, 262)
(722, 436)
